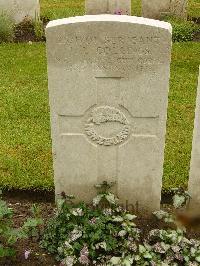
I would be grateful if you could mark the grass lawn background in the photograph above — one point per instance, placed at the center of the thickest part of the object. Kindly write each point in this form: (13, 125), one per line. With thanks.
(25, 143)
(65, 8)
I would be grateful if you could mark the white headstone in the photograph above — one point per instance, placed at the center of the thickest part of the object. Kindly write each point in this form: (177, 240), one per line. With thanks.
(19, 9)
(156, 9)
(194, 179)
(118, 7)
(108, 86)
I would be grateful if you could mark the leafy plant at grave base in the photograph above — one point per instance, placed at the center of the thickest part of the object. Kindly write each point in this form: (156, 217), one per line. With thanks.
(9, 235)
(6, 28)
(39, 28)
(33, 226)
(105, 234)
(30, 30)
(79, 233)
(180, 198)
(183, 31)
(25, 30)
(180, 201)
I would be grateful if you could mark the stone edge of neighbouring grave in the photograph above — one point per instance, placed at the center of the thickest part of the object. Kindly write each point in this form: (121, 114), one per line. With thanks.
(193, 185)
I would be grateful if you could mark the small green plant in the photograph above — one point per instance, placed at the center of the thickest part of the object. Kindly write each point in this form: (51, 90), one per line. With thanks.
(183, 31)
(96, 234)
(180, 201)
(180, 198)
(6, 28)
(106, 234)
(169, 247)
(39, 28)
(9, 235)
(33, 225)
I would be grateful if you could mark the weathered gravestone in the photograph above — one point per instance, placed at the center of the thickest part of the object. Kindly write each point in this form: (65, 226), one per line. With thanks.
(108, 85)
(194, 180)
(178, 8)
(119, 7)
(156, 9)
(19, 9)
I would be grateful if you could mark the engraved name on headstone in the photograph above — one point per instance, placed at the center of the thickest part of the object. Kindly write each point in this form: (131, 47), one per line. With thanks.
(108, 86)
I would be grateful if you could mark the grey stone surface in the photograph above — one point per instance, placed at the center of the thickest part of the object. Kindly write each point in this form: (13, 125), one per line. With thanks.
(95, 7)
(19, 9)
(178, 8)
(108, 87)
(156, 9)
(194, 178)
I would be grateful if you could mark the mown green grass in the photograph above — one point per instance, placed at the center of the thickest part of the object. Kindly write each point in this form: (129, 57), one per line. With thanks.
(182, 97)
(194, 8)
(25, 147)
(54, 9)
(66, 8)
(25, 144)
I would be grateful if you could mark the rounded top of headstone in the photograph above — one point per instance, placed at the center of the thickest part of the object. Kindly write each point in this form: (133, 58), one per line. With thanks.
(111, 18)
